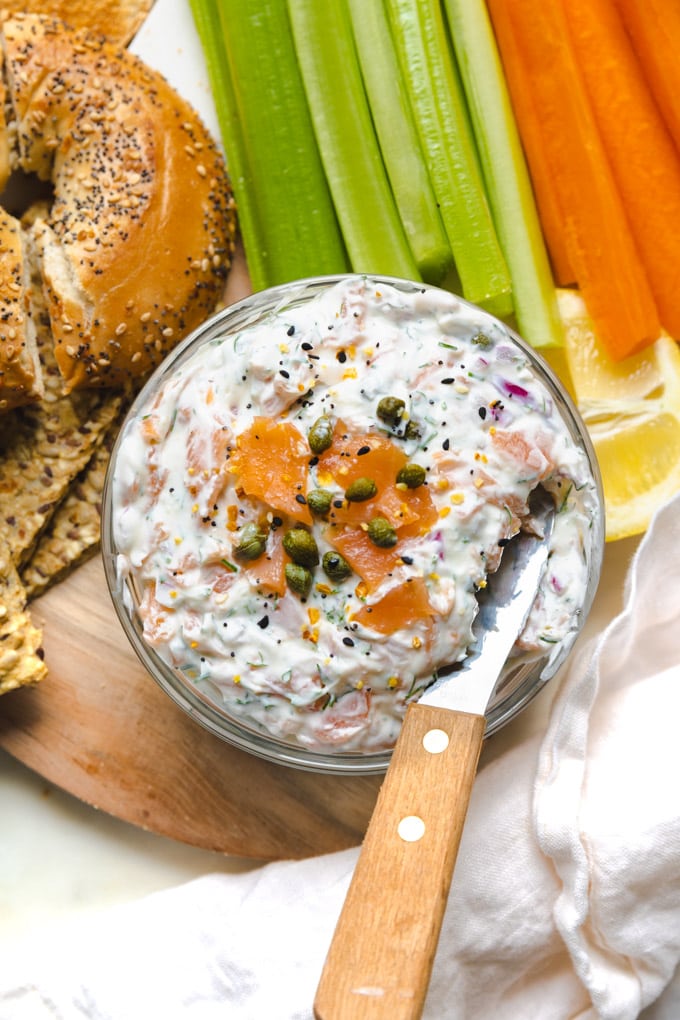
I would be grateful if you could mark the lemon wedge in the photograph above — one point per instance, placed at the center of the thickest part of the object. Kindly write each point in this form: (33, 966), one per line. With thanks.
(632, 411)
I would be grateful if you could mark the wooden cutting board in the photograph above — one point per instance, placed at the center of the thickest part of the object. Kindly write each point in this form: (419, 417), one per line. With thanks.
(100, 728)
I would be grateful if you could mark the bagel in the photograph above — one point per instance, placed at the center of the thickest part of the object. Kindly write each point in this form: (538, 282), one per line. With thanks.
(20, 375)
(116, 19)
(137, 241)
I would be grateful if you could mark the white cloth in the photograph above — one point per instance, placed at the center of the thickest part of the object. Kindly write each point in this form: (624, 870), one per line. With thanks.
(565, 902)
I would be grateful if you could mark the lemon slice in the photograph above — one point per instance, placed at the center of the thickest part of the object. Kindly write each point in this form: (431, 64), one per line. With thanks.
(632, 411)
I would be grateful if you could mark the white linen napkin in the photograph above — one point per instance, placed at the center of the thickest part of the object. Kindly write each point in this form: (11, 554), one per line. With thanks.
(565, 902)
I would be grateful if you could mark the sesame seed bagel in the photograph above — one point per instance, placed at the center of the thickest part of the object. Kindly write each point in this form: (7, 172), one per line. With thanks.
(137, 242)
(116, 19)
(20, 378)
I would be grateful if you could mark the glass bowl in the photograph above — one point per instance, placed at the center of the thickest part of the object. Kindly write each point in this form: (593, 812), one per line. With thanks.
(522, 677)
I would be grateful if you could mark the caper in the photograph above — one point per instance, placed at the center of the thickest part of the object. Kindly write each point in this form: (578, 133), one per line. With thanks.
(336, 566)
(360, 490)
(381, 533)
(319, 501)
(298, 579)
(320, 435)
(301, 547)
(411, 475)
(251, 543)
(390, 410)
(412, 430)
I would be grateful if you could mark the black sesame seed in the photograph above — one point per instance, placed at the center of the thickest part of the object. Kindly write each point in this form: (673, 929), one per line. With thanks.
(286, 375)
(300, 499)
(348, 641)
(263, 623)
(291, 330)
(448, 381)
(408, 560)
(363, 450)
(482, 413)
(306, 346)
(446, 444)
(342, 357)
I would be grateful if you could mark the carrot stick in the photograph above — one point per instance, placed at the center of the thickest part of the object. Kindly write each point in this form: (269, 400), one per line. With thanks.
(608, 269)
(654, 29)
(644, 160)
(519, 87)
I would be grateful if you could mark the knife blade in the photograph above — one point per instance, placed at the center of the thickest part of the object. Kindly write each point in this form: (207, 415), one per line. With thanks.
(503, 611)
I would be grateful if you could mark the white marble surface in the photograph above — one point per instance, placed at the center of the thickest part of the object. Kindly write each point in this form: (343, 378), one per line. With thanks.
(60, 858)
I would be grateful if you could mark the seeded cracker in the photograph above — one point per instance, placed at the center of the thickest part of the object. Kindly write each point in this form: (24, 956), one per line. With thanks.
(21, 659)
(74, 531)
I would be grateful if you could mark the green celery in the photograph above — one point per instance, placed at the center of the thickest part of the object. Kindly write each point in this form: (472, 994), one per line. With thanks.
(286, 213)
(505, 172)
(399, 141)
(365, 206)
(446, 135)
(207, 20)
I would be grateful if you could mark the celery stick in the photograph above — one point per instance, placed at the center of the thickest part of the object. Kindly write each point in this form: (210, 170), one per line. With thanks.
(368, 216)
(446, 136)
(399, 141)
(505, 172)
(207, 20)
(285, 209)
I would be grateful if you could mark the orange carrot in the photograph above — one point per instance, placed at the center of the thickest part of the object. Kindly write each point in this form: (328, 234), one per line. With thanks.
(644, 160)
(601, 250)
(654, 29)
(519, 87)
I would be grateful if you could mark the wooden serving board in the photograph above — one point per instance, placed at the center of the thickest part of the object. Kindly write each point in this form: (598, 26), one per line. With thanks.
(99, 727)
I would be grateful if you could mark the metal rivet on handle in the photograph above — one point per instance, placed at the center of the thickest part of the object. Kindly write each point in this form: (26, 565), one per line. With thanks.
(436, 741)
(411, 828)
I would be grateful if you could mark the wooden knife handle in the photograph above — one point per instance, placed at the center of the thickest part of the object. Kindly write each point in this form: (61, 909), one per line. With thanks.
(380, 958)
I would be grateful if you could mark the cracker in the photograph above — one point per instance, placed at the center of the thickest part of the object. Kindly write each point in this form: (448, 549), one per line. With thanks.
(21, 656)
(73, 534)
(41, 452)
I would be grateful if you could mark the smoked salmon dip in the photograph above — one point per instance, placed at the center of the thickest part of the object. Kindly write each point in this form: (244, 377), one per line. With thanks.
(307, 506)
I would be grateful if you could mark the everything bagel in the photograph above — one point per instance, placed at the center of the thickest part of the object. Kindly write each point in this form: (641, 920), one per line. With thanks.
(135, 246)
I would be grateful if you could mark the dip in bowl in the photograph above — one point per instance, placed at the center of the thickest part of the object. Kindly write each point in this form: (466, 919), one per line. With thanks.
(309, 494)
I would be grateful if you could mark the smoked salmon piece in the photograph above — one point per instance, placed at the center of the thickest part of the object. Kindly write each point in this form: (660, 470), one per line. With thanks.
(366, 559)
(355, 455)
(402, 606)
(271, 461)
(268, 571)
